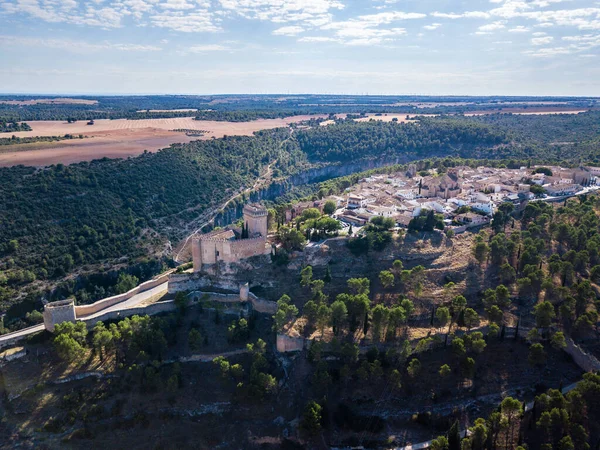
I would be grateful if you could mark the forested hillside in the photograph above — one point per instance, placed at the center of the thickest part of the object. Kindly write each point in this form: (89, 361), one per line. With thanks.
(553, 137)
(62, 221)
(351, 140)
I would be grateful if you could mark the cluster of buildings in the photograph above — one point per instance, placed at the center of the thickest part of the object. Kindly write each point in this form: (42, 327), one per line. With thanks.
(465, 196)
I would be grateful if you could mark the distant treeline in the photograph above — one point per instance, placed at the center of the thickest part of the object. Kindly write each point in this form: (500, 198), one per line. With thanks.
(14, 140)
(12, 126)
(248, 107)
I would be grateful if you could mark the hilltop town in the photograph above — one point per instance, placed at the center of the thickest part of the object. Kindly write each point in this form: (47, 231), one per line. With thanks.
(466, 197)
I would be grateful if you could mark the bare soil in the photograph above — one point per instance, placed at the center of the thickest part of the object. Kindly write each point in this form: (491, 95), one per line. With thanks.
(124, 138)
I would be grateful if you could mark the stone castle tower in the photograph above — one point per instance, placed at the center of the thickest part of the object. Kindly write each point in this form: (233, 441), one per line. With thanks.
(255, 218)
(225, 246)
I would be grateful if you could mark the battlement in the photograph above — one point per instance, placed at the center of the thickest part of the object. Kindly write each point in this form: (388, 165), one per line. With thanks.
(255, 210)
(218, 236)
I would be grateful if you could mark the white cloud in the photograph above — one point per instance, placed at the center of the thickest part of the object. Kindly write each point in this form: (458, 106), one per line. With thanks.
(176, 4)
(433, 26)
(542, 40)
(207, 48)
(199, 21)
(74, 46)
(368, 29)
(548, 52)
(519, 29)
(303, 12)
(464, 15)
(292, 30)
(488, 28)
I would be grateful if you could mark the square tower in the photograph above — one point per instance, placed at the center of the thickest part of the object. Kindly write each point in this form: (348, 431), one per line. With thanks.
(255, 218)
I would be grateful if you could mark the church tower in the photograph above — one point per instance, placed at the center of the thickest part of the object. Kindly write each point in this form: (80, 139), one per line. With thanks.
(255, 218)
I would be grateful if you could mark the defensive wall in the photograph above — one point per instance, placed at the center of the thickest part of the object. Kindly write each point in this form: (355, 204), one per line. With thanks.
(290, 344)
(86, 310)
(583, 359)
(258, 304)
(58, 312)
(211, 250)
(149, 310)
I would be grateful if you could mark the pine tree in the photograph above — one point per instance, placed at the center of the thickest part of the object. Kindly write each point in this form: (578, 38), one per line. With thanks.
(327, 278)
(454, 437)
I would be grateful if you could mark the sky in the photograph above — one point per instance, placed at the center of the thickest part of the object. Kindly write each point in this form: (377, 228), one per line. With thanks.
(427, 47)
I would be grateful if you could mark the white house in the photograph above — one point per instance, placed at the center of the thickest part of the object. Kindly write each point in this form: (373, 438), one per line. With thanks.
(356, 201)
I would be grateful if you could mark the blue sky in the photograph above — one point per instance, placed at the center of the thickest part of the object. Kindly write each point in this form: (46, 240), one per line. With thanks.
(474, 47)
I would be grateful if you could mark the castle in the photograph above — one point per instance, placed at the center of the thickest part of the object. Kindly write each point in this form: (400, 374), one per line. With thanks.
(233, 244)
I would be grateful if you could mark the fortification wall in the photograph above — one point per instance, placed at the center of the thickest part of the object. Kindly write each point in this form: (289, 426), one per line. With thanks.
(246, 248)
(86, 310)
(583, 359)
(196, 282)
(10, 339)
(289, 344)
(58, 312)
(262, 305)
(155, 308)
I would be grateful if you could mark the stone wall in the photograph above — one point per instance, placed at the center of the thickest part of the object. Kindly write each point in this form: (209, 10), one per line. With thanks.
(86, 310)
(58, 312)
(261, 305)
(583, 359)
(199, 282)
(289, 344)
(247, 248)
(155, 308)
(211, 251)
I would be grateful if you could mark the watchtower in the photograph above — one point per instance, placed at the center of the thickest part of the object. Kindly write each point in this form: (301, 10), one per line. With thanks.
(255, 218)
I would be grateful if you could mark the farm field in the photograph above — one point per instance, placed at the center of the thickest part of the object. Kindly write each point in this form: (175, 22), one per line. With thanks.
(122, 138)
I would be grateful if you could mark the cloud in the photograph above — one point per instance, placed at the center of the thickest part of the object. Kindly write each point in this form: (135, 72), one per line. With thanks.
(548, 52)
(369, 30)
(291, 30)
(196, 22)
(488, 28)
(207, 48)
(519, 29)
(74, 46)
(176, 4)
(433, 26)
(317, 39)
(302, 12)
(464, 15)
(542, 40)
